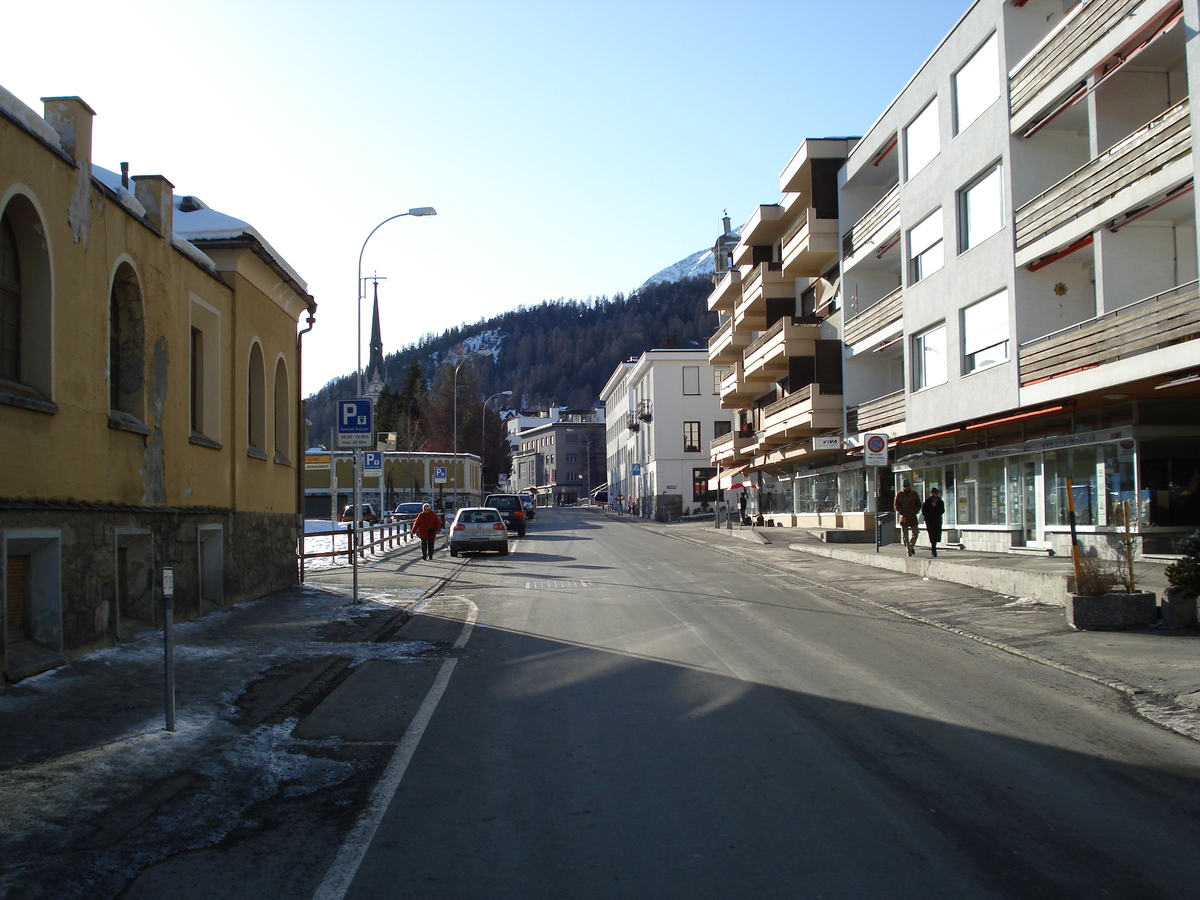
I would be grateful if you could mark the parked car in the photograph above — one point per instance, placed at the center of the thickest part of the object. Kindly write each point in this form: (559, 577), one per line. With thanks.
(530, 506)
(409, 510)
(369, 515)
(478, 528)
(512, 510)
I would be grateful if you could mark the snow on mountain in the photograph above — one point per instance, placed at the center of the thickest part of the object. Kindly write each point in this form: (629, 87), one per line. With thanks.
(699, 263)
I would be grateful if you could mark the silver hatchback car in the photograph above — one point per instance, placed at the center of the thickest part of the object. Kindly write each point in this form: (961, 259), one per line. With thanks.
(478, 528)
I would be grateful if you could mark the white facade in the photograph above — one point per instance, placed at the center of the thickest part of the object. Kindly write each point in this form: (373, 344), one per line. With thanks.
(663, 410)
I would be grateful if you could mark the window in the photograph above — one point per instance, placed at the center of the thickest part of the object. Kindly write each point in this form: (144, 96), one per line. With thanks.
(126, 340)
(700, 479)
(205, 374)
(921, 140)
(283, 403)
(925, 247)
(722, 427)
(976, 84)
(985, 333)
(929, 357)
(691, 380)
(980, 209)
(691, 437)
(572, 457)
(10, 304)
(256, 424)
(718, 377)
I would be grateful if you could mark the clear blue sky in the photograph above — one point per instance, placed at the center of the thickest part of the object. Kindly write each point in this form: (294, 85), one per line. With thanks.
(571, 149)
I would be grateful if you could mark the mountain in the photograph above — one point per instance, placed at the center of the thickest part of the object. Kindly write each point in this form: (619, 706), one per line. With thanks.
(557, 353)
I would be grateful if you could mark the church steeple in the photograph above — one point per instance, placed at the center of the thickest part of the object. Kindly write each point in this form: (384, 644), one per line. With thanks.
(375, 363)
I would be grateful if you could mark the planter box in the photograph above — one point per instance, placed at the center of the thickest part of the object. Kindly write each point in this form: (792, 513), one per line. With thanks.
(1178, 609)
(1112, 610)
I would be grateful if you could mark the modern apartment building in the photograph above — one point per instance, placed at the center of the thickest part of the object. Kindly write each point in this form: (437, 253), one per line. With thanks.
(663, 411)
(560, 460)
(1011, 294)
(149, 397)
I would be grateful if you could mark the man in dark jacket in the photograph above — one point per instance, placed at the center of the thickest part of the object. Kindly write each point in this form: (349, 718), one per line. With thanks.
(426, 526)
(907, 505)
(932, 511)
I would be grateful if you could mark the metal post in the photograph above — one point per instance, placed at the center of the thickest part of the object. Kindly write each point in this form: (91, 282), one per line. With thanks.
(168, 588)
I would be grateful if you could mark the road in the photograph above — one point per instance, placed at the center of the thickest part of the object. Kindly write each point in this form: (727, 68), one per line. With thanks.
(633, 715)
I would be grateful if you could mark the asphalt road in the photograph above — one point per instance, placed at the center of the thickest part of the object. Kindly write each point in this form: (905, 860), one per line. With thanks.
(631, 715)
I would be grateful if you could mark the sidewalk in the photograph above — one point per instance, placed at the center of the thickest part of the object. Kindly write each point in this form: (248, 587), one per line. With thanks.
(1016, 604)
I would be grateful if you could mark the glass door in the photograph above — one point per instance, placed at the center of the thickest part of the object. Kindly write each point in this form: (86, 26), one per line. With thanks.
(1025, 498)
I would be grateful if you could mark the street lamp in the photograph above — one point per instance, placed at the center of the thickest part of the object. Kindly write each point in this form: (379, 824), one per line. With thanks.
(455, 415)
(482, 433)
(419, 211)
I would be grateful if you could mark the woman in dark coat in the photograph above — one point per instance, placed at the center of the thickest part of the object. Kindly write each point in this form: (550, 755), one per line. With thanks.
(932, 511)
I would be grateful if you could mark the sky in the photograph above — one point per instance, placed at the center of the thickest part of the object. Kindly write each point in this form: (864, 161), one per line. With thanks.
(571, 150)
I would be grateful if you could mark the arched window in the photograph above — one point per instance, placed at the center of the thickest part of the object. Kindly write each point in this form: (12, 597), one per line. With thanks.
(25, 306)
(283, 402)
(257, 403)
(126, 346)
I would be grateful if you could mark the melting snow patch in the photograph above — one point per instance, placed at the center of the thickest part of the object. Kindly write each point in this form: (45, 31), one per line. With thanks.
(1026, 603)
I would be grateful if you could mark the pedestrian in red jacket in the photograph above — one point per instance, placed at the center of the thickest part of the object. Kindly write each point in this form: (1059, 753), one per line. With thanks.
(427, 525)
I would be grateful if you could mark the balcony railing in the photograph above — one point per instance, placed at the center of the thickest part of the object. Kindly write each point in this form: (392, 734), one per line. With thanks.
(874, 219)
(878, 413)
(729, 445)
(1081, 30)
(874, 317)
(1159, 321)
(726, 291)
(807, 410)
(1138, 156)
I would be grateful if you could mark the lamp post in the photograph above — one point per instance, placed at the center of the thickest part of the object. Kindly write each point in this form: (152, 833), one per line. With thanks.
(590, 438)
(455, 416)
(419, 211)
(482, 436)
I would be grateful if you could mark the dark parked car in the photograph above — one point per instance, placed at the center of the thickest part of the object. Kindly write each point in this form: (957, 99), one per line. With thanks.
(409, 510)
(512, 510)
(530, 506)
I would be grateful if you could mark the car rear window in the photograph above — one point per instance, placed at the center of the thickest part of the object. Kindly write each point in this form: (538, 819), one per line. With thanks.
(481, 517)
(505, 502)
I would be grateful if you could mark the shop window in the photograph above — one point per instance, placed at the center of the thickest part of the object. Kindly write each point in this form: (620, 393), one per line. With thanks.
(1170, 482)
(976, 84)
(700, 491)
(921, 140)
(980, 498)
(985, 333)
(925, 254)
(1079, 465)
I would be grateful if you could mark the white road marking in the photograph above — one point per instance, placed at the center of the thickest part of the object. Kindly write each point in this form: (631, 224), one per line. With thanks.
(340, 875)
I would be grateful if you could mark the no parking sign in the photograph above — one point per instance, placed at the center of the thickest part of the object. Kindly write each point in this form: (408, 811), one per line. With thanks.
(875, 449)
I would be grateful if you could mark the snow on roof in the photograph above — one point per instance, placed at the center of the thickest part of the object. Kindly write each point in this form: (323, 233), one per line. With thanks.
(16, 108)
(199, 223)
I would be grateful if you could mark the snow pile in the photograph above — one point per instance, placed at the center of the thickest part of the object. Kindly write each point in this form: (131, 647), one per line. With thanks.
(16, 108)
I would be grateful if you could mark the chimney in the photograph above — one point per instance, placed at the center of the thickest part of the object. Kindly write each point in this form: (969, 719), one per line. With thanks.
(156, 194)
(72, 119)
(125, 175)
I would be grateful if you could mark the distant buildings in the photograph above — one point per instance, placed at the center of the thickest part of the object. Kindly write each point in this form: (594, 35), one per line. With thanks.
(149, 397)
(1000, 276)
(663, 411)
(561, 455)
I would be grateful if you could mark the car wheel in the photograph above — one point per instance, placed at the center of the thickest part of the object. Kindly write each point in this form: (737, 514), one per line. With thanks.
(453, 552)
(520, 532)
(504, 550)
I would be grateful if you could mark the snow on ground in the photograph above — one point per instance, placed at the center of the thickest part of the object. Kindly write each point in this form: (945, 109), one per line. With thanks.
(319, 539)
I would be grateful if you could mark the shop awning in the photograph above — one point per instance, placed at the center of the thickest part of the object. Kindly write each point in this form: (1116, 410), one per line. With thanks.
(725, 479)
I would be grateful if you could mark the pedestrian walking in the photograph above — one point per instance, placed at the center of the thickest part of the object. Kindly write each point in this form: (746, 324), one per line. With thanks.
(427, 525)
(907, 505)
(932, 511)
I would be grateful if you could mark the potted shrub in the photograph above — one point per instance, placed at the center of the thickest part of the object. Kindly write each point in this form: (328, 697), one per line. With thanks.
(1106, 594)
(1179, 602)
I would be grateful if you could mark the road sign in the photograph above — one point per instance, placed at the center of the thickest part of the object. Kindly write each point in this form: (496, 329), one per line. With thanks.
(875, 448)
(439, 474)
(637, 470)
(372, 464)
(355, 427)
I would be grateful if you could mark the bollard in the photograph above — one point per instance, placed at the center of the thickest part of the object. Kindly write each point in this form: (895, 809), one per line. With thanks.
(168, 586)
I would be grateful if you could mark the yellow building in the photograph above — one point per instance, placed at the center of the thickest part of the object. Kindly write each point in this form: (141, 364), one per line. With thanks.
(149, 397)
(407, 477)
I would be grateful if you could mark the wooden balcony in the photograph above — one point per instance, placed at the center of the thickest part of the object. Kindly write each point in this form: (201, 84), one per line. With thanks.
(726, 292)
(726, 345)
(762, 229)
(730, 448)
(735, 393)
(810, 245)
(876, 414)
(1099, 190)
(1087, 25)
(876, 228)
(1147, 325)
(803, 413)
(765, 281)
(873, 318)
(766, 359)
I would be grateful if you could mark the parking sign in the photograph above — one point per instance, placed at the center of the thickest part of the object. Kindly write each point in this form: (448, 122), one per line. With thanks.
(373, 463)
(875, 447)
(355, 427)
(439, 474)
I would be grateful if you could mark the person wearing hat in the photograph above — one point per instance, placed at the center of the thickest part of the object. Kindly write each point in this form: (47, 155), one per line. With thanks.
(932, 511)
(907, 505)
